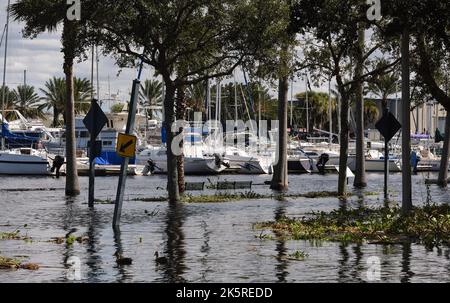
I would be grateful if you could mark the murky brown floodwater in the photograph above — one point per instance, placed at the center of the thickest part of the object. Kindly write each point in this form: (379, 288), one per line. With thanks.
(202, 242)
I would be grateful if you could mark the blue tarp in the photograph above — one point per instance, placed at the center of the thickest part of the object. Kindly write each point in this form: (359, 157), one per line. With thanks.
(111, 158)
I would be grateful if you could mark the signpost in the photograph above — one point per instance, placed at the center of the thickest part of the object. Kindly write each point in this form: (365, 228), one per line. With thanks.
(94, 121)
(388, 126)
(126, 148)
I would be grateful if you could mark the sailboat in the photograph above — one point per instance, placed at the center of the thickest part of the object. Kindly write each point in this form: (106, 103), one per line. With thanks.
(196, 160)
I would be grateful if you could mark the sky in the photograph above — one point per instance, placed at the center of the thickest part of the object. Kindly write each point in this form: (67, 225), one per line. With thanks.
(42, 59)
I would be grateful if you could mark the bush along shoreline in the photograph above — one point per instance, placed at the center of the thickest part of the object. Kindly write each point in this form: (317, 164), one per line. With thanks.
(428, 225)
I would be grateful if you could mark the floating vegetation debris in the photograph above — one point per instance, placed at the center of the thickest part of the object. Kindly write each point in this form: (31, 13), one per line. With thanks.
(9, 263)
(428, 225)
(298, 256)
(15, 235)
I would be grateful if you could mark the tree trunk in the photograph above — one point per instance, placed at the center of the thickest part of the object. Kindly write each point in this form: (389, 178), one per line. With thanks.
(172, 173)
(72, 183)
(181, 115)
(406, 121)
(443, 172)
(280, 176)
(360, 173)
(343, 158)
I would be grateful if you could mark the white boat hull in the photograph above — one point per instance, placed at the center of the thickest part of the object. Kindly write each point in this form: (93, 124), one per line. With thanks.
(192, 166)
(250, 165)
(17, 164)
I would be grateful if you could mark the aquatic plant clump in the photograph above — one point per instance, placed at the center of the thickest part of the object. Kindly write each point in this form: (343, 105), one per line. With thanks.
(9, 263)
(428, 225)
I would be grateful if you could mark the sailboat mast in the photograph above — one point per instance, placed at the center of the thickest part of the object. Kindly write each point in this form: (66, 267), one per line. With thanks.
(307, 105)
(92, 72)
(98, 77)
(292, 102)
(4, 73)
(330, 111)
(235, 100)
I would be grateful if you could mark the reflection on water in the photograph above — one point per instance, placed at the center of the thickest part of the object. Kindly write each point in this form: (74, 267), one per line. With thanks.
(281, 248)
(203, 242)
(407, 274)
(175, 252)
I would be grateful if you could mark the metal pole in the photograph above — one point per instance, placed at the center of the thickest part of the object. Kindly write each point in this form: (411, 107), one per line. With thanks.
(386, 164)
(92, 160)
(4, 74)
(124, 167)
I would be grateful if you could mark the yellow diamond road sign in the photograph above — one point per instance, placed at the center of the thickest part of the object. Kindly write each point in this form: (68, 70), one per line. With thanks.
(126, 146)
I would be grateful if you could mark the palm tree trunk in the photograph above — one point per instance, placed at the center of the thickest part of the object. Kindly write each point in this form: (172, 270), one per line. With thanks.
(181, 111)
(172, 172)
(55, 117)
(72, 183)
(406, 119)
(343, 158)
(280, 176)
(443, 172)
(360, 173)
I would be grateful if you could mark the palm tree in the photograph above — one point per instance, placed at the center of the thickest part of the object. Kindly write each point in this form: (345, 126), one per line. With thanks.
(55, 96)
(82, 95)
(384, 85)
(45, 15)
(196, 96)
(371, 112)
(10, 99)
(27, 102)
(152, 96)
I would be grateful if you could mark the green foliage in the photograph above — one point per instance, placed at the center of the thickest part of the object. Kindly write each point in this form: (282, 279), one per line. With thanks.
(55, 96)
(71, 239)
(429, 225)
(151, 96)
(117, 108)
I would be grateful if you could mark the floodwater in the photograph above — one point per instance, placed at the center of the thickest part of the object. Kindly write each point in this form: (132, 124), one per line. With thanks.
(202, 242)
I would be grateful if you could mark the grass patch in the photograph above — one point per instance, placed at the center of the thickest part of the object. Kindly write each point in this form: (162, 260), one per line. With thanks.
(222, 198)
(233, 197)
(428, 225)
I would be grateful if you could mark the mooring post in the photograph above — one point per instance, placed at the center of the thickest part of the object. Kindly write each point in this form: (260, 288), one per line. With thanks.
(124, 167)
